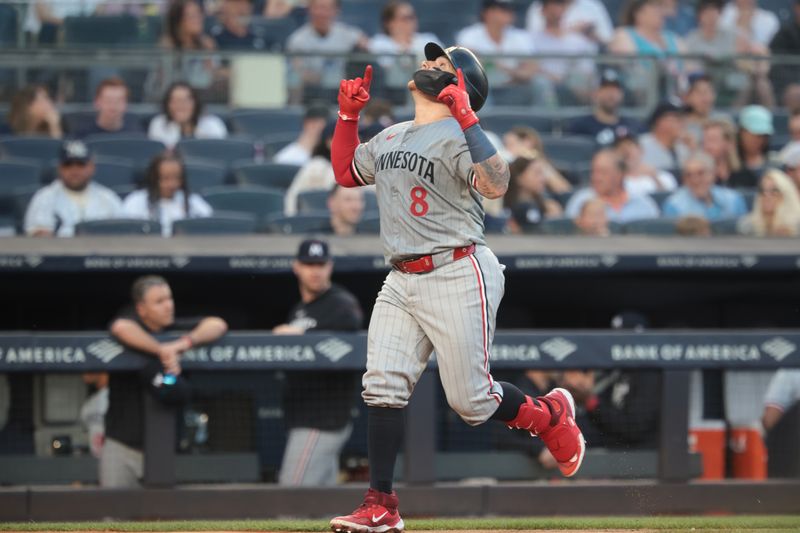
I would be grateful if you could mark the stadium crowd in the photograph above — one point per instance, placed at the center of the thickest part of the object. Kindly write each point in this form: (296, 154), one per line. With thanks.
(719, 153)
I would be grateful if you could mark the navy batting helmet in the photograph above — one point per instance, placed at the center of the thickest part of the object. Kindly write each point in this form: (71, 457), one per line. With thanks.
(474, 75)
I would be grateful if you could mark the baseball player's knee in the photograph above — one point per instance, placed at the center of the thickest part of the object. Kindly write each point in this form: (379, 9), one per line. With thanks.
(469, 412)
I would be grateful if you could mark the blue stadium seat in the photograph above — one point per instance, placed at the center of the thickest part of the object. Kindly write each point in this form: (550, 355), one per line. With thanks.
(445, 18)
(16, 173)
(780, 121)
(273, 31)
(261, 202)
(9, 24)
(364, 14)
(310, 201)
(140, 150)
(558, 226)
(275, 175)
(651, 226)
(495, 224)
(118, 174)
(575, 149)
(300, 224)
(202, 174)
(224, 151)
(369, 225)
(262, 122)
(122, 30)
(42, 149)
(500, 121)
(220, 224)
(660, 197)
(274, 143)
(370, 200)
(118, 226)
(726, 226)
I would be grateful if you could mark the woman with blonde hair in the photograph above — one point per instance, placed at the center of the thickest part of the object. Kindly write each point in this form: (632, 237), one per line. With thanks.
(776, 211)
(719, 141)
(33, 112)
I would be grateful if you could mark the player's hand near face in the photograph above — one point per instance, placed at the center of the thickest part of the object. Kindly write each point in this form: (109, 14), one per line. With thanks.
(456, 98)
(354, 95)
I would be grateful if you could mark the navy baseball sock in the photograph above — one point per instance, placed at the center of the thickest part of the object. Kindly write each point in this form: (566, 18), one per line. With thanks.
(509, 407)
(385, 428)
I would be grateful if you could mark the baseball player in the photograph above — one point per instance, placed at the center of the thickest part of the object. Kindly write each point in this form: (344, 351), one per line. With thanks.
(445, 285)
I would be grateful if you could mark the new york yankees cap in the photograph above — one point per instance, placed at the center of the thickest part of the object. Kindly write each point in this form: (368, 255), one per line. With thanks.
(313, 251)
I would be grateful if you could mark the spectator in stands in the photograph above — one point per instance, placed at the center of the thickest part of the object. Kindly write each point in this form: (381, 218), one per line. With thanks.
(182, 117)
(151, 313)
(317, 174)
(496, 34)
(581, 383)
(693, 226)
(700, 98)
(346, 205)
(588, 17)
(790, 161)
(93, 410)
(71, 198)
(522, 141)
(641, 178)
(643, 34)
(299, 151)
(699, 196)
(794, 135)
(526, 197)
(33, 112)
(679, 18)
(755, 129)
(317, 404)
(718, 45)
(538, 382)
(750, 21)
(322, 34)
(571, 78)
(776, 210)
(607, 184)
(165, 197)
(184, 31)
(624, 405)
(605, 124)
(787, 43)
(275, 9)
(592, 220)
(400, 36)
(782, 394)
(663, 145)
(111, 103)
(45, 17)
(719, 141)
(232, 30)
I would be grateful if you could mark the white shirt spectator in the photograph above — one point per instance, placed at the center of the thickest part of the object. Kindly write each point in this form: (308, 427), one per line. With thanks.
(567, 44)
(292, 154)
(645, 184)
(577, 12)
(60, 9)
(317, 174)
(169, 133)
(136, 205)
(514, 41)
(58, 209)
(636, 207)
(657, 155)
(763, 25)
(93, 412)
(396, 69)
(341, 38)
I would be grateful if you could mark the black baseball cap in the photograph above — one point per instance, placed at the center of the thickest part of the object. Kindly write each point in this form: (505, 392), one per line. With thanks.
(610, 76)
(505, 4)
(74, 151)
(313, 251)
(664, 108)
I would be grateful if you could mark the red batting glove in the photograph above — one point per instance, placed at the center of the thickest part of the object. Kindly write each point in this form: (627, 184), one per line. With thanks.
(456, 98)
(354, 95)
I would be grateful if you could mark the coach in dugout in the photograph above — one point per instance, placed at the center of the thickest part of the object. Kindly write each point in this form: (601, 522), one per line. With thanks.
(152, 313)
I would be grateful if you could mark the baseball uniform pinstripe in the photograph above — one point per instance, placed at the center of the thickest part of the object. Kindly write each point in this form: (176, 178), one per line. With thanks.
(428, 205)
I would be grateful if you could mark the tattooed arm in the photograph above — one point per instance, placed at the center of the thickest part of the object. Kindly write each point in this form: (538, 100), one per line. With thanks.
(491, 177)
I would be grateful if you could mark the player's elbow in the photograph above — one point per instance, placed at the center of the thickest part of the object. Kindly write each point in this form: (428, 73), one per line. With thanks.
(495, 191)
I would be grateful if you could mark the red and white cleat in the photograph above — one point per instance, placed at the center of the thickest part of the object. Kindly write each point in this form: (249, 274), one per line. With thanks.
(378, 514)
(563, 437)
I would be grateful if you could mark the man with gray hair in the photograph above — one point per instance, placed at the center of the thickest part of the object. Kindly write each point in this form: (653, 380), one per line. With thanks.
(699, 196)
(152, 313)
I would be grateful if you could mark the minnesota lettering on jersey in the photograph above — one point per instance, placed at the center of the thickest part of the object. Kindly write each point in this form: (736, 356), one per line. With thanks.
(411, 161)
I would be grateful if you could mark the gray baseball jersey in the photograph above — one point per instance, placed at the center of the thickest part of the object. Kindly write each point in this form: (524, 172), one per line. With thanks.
(428, 205)
(423, 181)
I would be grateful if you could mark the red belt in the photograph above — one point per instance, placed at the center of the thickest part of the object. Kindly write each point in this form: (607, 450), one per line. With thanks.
(424, 264)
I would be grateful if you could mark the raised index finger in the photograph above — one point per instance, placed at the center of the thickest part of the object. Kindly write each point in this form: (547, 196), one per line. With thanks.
(367, 78)
(460, 76)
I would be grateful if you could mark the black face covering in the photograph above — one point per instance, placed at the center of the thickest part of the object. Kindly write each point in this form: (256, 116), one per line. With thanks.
(431, 82)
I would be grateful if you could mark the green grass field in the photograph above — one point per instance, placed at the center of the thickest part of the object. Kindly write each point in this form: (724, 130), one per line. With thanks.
(666, 523)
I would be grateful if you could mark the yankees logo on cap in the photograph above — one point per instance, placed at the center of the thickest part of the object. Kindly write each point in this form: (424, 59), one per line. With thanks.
(313, 251)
